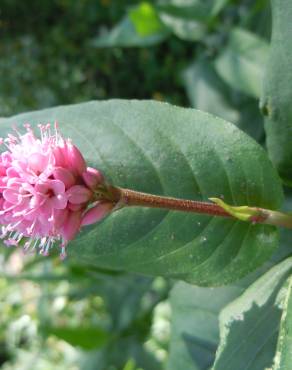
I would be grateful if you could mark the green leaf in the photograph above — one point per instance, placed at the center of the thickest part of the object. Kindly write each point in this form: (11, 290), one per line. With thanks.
(282, 360)
(122, 297)
(249, 325)
(190, 30)
(241, 63)
(277, 93)
(125, 34)
(187, 19)
(145, 19)
(218, 5)
(195, 318)
(207, 92)
(194, 324)
(85, 337)
(161, 149)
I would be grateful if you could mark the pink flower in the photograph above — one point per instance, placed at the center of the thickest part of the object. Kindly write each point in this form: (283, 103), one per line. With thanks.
(46, 190)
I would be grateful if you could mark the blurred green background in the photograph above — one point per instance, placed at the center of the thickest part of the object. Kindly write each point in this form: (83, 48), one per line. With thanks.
(206, 54)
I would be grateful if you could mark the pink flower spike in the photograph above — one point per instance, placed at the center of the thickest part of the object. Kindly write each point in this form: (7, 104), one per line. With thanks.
(43, 193)
(92, 177)
(78, 194)
(96, 213)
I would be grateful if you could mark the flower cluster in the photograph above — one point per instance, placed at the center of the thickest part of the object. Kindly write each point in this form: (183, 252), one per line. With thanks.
(46, 190)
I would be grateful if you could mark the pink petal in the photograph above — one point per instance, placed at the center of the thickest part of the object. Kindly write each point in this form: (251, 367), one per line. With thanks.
(96, 213)
(6, 158)
(47, 208)
(42, 188)
(75, 207)
(92, 177)
(36, 200)
(3, 182)
(65, 176)
(78, 194)
(2, 170)
(14, 182)
(12, 172)
(11, 196)
(71, 226)
(38, 162)
(57, 186)
(60, 154)
(75, 159)
(59, 201)
(60, 217)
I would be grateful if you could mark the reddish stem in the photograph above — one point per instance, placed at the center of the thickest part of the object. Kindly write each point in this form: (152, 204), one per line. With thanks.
(126, 197)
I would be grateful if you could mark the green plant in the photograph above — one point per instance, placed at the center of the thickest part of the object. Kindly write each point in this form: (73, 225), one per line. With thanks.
(151, 288)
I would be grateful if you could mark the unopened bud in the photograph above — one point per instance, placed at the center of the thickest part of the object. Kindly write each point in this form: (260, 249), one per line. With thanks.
(92, 177)
(96, 213)
(78, 194)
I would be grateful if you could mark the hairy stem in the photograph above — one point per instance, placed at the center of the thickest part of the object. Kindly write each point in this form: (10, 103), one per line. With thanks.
(126, 197)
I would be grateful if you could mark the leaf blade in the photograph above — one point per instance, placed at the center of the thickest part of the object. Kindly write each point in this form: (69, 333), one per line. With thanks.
(282, 360)
(276, 95)
(161, 149)
(87, 338)
(250, 323)
(194, 324)
(241, 62)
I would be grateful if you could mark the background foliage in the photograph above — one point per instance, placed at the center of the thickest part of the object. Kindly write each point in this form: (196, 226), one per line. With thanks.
(206, 54)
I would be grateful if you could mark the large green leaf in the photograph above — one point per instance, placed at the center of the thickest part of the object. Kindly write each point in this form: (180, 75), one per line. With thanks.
(194, 324)
(282, 360)
(208, 92)
(161, 149)
(241, 63)
(249, 325)
(217, 6)
(188, 19)
(122, 298)
(195, 316)
(277, 92)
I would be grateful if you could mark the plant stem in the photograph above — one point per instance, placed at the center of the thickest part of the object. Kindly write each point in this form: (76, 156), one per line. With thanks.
(277, 218)
(126, 197)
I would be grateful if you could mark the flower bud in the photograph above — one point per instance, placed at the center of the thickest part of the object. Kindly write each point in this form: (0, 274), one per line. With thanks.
(78, 194)
(75, 159)
(72, 225)
(65, 176)
(60, 155)
(96, 213)
(92, 177)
